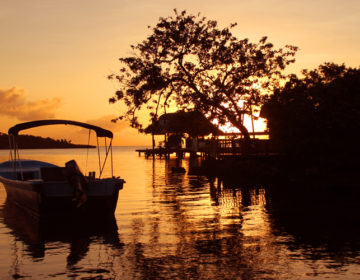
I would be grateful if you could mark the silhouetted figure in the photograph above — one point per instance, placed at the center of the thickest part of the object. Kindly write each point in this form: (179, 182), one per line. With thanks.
(77, 181)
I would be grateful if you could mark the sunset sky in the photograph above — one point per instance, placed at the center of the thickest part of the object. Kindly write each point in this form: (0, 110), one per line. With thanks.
(55, 55)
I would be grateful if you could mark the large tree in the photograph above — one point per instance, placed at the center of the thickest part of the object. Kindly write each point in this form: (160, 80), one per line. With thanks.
(188, 61)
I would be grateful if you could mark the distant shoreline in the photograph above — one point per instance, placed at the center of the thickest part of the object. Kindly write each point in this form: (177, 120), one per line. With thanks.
(37, 142)
(53, 148)
(76, 146)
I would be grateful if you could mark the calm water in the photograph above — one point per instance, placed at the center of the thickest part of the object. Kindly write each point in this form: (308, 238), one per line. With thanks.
(180, 226)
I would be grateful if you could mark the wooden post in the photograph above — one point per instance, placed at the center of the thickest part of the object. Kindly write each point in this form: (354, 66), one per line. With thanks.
(252, 122)
(153, 145)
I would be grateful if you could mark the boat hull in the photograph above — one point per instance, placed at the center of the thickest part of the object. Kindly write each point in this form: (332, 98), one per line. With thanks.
(47, 199)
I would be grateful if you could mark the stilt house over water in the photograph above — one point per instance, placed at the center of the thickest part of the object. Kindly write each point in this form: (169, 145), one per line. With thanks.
(185, 132)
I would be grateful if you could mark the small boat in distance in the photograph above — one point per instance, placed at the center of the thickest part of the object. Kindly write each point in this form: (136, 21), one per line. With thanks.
(48, 190)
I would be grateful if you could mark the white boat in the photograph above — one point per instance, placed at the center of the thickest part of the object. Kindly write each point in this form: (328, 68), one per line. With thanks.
(48, 190)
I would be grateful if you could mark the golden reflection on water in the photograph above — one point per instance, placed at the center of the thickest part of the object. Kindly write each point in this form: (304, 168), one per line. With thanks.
(167, 225)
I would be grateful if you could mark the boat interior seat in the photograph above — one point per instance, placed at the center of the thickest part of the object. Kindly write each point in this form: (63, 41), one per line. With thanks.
(53, 173)
(27, 175)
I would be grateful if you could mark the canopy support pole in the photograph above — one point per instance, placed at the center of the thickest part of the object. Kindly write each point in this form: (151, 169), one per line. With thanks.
(98, 148)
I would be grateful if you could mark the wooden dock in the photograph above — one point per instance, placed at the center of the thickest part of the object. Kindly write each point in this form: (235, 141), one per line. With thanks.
(212, 149)
(164, 152)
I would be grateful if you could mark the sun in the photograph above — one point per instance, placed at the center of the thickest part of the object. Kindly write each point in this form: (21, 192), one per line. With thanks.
(255, 125)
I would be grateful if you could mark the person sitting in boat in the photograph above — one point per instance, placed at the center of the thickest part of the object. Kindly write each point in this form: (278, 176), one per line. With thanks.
(78, 181)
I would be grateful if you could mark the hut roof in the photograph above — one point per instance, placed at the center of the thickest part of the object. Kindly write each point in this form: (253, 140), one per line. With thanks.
(193, 123)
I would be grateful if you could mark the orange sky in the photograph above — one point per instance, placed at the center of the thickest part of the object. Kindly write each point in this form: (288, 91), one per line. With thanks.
(55, 55)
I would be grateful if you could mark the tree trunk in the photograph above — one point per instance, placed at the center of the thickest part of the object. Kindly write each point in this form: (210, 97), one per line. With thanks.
(244, 131)
(246, 144)
(235, 121)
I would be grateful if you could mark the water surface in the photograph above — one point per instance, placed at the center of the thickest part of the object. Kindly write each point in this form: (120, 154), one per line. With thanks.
(180, 226)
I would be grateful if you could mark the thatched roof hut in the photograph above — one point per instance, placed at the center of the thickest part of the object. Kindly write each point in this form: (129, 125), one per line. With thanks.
(193, 123)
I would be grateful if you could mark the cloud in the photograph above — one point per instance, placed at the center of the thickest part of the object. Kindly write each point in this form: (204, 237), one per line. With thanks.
(123, 133)
(14, 103)
(105, 122)
(81, 135)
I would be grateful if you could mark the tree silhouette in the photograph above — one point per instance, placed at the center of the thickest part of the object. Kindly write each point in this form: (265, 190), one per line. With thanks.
(317, 115)
(188, 61)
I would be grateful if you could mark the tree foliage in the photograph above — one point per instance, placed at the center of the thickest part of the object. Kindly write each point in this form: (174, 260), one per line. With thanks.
(317, 115)
(192, 63)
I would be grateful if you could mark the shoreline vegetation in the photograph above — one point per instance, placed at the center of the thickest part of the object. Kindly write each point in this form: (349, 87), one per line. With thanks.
(37, 142)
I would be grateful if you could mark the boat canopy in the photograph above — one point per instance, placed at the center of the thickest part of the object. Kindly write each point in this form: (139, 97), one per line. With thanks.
(100, 132)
